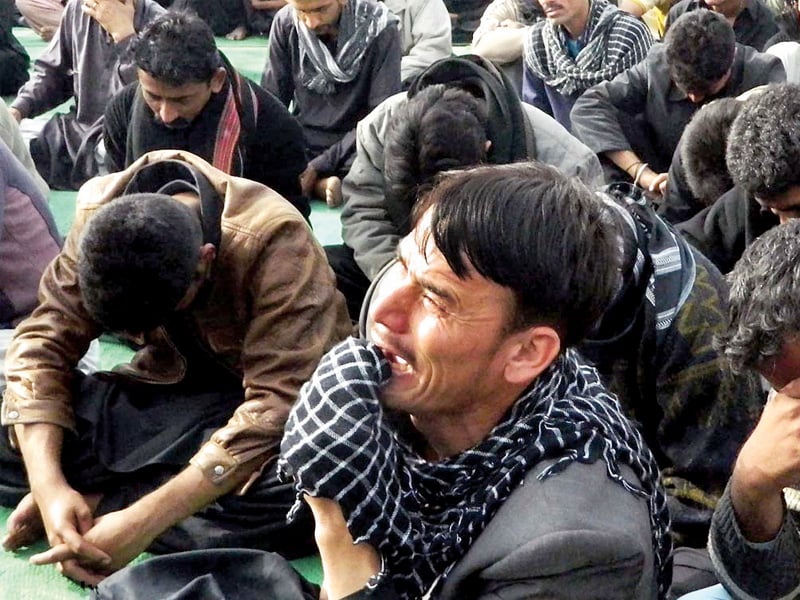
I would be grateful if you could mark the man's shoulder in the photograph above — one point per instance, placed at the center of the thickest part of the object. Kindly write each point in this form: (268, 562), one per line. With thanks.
(534, 533)
(284, 19)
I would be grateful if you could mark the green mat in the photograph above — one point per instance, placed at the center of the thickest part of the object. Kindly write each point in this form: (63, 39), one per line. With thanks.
(18, 579)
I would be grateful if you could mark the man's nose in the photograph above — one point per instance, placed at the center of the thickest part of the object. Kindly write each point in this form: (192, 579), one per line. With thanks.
(167, 112)
(392, 303)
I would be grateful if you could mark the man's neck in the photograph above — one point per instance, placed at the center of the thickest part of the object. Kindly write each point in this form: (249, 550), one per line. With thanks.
(451, 434)
(576, 26)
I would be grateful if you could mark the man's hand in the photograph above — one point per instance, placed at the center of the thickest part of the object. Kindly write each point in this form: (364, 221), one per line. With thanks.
(16, 114)
(115, 16)
(67, 517)
(347, 566)
(768, 462)
(654, 182)
(308, 180)
(122, 535)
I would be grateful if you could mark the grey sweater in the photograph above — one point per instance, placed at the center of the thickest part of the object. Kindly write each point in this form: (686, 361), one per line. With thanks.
(750, 571)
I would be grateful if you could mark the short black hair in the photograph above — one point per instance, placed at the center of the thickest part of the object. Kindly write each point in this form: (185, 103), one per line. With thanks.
(177, 48)
(439, 129)
(531, 229)
(700, 46)
(764, 299)
(137, 257)
(763, 154)
(703, 147)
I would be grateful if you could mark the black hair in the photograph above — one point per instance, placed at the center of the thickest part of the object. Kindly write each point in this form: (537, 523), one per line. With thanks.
(439, 129)
(763, 153)
(531, 229)
(177, 48)
(700, 46)
(702, 149)
(764, 299)
(137, 257)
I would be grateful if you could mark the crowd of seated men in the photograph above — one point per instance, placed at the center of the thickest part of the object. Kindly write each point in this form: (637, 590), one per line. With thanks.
(554, 356)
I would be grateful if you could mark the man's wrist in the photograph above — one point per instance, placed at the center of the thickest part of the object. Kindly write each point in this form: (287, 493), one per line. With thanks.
(757, 503)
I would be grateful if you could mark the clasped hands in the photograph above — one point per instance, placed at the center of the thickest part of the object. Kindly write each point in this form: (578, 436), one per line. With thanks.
(85, 548)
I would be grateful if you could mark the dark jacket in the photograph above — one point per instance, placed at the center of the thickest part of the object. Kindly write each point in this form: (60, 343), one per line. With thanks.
(602, 116)
(723, 230)
(754, 26)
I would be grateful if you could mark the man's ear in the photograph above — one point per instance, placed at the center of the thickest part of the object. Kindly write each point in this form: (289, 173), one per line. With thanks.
(532, 351)
(218, 80)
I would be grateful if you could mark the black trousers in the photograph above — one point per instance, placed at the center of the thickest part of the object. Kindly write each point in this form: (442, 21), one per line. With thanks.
(133, 437)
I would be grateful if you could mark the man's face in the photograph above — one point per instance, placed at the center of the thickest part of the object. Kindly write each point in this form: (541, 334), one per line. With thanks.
(320, 16)
(564, 11)
(711, 93)
(177, 106)
(785, 205)
(785, 367)
(445, 337)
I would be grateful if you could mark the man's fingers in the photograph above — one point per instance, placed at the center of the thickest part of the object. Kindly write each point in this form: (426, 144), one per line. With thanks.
(74, 546)
(75, 571)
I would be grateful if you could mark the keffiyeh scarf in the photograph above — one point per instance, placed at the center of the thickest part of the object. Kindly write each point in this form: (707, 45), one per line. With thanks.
(663, 257)
(360, 23)
(423, 516)
(613, 42)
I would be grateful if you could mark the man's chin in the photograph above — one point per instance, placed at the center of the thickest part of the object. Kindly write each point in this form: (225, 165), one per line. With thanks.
(176, 124)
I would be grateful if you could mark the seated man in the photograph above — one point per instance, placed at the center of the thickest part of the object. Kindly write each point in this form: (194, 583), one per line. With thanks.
(189, 97)
(29, 240)
(466, 446)
(580, 44)
(335, 60)
(411, 137)
(86, 61)
(753, 22)
(755, 534)
(232, 302)
(652, 347)
(425, 35)
(636, 119)
(763, 159)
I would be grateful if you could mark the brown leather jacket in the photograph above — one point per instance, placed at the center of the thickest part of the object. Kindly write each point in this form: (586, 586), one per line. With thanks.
(273, 311)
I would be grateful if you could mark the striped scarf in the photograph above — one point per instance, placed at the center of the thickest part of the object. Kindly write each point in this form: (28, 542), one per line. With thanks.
(662, 256)
(612, 42)
(360, 23)
(423, 516)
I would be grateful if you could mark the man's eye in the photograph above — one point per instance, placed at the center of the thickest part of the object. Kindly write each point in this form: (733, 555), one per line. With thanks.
(432, 303)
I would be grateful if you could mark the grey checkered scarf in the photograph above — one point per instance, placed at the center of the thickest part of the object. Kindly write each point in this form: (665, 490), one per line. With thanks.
(360, 23)
(423, 516)
(613, 42)
(663, 260)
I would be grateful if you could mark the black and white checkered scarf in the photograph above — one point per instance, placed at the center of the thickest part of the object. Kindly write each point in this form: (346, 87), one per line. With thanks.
(423, 516)
(360, 23)
(613, 42)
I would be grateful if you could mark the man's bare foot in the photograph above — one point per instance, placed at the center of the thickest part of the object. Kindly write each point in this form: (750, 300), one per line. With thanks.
(24, 525)
(238, 34)
(333, 191)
